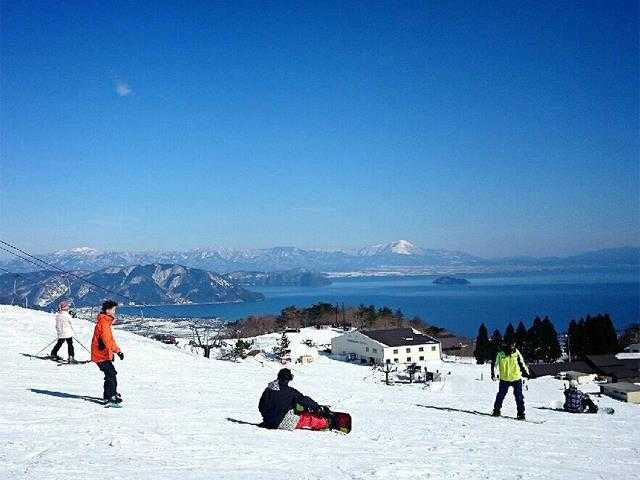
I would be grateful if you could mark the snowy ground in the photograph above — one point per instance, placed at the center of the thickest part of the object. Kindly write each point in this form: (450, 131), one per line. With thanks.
(174, 422)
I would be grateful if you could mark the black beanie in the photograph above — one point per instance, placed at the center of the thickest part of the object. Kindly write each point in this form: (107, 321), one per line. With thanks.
(285, 375)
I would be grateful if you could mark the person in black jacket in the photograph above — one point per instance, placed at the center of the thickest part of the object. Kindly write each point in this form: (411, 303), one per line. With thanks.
(284, 407)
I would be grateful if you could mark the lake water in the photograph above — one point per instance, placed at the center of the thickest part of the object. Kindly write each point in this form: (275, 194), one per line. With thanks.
(459, 308)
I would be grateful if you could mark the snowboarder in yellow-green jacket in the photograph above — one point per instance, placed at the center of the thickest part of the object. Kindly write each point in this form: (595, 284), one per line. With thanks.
(511, 367)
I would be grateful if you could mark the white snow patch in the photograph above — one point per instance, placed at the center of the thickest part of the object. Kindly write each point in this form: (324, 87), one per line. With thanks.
(174, 422)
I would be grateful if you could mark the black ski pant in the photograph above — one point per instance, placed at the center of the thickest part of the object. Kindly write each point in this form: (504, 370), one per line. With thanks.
(502, 392)
(110, 380)
(69, 341)
(589, 406)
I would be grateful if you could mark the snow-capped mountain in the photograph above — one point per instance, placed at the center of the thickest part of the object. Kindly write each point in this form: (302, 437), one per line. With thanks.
(401, 247)
(142, 284)
(401, 254)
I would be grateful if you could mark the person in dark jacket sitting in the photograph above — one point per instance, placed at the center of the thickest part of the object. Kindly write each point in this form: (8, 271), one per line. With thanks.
(576, 401)
(284, 407)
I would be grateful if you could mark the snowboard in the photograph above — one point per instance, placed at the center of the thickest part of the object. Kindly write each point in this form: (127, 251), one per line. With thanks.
(537, 422)
(101, 401)
(558, 407)
(341, 422)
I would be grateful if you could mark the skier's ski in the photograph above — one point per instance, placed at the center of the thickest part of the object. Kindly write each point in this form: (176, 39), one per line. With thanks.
(77, 362)
(40, 357)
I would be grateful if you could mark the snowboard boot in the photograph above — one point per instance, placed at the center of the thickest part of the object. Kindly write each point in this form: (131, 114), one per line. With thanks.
(521, 416)
(496, 413)
(55, 358)
(113, 402)
(72, 360)
(119, 397)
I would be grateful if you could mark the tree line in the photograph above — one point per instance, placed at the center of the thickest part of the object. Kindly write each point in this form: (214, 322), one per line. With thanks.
(538, 343)
(327, 314)
(592, 335)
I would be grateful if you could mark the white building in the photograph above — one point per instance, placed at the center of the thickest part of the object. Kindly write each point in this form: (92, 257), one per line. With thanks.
(395, 346)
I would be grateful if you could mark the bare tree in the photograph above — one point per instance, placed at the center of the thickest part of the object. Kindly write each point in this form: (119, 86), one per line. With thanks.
(206, 337)
(387, 370)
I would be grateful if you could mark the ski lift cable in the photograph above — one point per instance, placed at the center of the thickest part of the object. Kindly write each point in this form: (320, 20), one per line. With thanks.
(121, 295)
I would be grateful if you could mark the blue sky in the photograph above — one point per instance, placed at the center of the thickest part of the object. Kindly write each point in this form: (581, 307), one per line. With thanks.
(497, 128)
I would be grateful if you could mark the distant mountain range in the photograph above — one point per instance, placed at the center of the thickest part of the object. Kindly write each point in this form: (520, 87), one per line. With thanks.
(401, 255)
(142, 284)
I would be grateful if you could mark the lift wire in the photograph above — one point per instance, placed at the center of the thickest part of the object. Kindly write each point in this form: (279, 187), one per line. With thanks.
(84, 280)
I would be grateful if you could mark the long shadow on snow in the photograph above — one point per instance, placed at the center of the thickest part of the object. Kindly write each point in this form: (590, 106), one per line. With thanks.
(66, 395)
(451, 409)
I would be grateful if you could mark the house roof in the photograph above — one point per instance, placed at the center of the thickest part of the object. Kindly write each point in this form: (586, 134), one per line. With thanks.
(608, 365)
(398, 337)
(542, 369)
(619, 369)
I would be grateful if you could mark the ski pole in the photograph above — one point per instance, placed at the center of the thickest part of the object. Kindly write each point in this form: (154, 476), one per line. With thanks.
(80, 343)
(40, 351)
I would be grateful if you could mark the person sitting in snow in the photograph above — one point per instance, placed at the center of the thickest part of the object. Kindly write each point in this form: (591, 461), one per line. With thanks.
(284, 407)
(511, 366)
(576, 401)
(103, 348)
(65, 332)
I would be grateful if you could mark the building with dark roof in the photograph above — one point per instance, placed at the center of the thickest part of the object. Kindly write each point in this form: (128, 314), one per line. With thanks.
(396, 345)
(614, 368)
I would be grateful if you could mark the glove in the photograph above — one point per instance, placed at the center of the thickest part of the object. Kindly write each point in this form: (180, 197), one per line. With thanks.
(121, 355)
(493, 377)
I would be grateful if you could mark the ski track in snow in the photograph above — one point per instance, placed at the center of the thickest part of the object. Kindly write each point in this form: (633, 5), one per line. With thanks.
(174, 421)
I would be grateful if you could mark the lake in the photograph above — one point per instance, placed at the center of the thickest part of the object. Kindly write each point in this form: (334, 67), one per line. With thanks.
(494, 300)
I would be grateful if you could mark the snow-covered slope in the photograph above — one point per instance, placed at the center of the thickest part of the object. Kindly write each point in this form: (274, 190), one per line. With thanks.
(174, 423)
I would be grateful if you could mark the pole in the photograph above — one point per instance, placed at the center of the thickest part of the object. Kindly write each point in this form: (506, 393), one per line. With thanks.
(50, 343)
(80, 343)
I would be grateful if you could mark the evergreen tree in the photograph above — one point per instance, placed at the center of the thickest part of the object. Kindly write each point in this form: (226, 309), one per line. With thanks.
(592, 336)
(483, 346)
(609, 336)
(509, 334)
(496, 343)
(282, 350)
(241, 347)
(521, 339)
(535, 341)
(550, 348)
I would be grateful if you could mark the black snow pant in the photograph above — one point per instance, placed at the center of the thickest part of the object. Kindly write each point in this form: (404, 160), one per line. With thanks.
(110, 380)
(69, 341)
(589, 406)
(502, 392)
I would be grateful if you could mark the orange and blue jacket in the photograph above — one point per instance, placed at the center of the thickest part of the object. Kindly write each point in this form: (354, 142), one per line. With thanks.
(103, 346)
